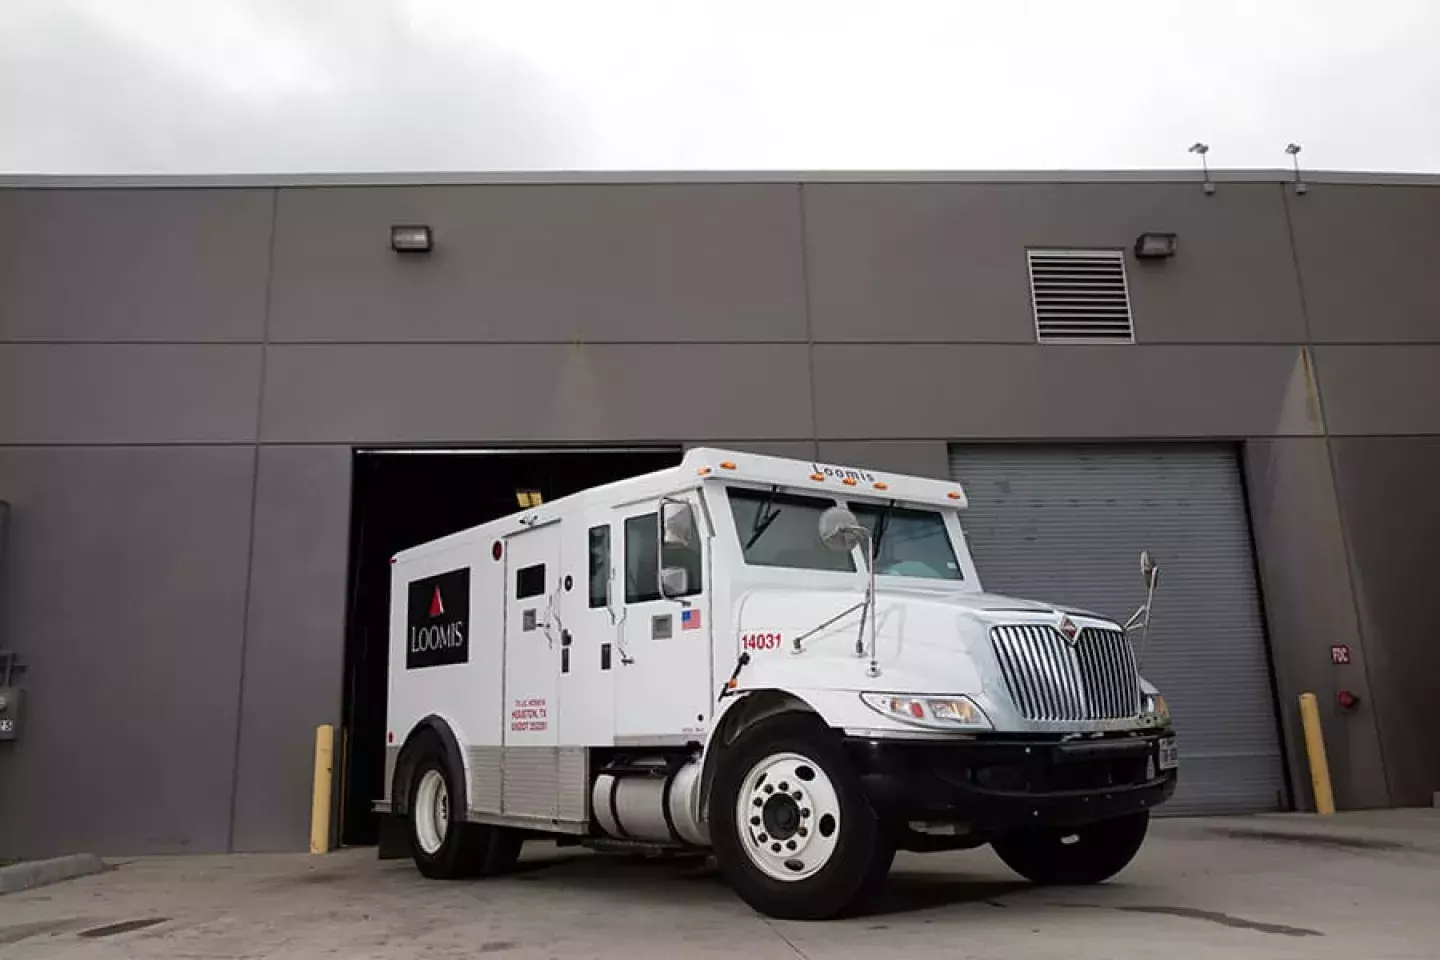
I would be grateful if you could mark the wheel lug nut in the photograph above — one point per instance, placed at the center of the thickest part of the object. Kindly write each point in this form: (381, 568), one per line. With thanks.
(759, 802)
(754, 821)
(763, 838)
(803, 832)
(804, 811)
(797, 795)
(791, 844)
(775, 847)
(784, 787)
(769, 789)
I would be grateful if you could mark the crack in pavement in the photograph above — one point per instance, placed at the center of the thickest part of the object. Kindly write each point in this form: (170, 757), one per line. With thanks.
(1226, 920)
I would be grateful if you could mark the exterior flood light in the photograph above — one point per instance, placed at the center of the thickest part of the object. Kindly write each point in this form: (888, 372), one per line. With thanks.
(411, 238)
(1155, 246)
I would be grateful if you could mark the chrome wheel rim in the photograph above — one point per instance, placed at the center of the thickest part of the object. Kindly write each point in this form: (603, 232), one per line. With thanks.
(432, 811)
(788, 817)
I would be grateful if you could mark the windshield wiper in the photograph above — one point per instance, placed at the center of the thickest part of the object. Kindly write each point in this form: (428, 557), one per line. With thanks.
(763, 518)
(882, 523)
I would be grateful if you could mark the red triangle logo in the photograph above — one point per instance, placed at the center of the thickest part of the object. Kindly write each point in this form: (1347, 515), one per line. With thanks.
(437, 606)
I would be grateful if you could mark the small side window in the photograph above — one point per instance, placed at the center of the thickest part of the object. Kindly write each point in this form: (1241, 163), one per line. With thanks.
(530, 581)
(600, 566)
(642, 560)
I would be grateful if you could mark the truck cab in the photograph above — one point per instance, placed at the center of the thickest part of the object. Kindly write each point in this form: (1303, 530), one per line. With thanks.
(791, 664)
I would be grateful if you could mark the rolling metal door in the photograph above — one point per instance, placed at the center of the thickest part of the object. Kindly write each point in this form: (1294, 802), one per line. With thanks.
(1067, 524)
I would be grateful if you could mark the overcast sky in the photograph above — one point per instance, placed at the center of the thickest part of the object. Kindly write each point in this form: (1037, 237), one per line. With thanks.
(215, 86)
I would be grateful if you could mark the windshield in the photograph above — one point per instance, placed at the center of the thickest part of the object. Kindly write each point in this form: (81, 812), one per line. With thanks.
(783, 530)
(909, 542)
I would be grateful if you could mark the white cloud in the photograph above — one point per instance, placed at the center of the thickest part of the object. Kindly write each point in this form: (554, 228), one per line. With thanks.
(337, 85)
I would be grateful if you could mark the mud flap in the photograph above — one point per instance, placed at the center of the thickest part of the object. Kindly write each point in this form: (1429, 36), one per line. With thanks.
(394, 837)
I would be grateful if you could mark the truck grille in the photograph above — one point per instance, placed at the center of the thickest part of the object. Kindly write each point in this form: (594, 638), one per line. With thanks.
(1049, 679)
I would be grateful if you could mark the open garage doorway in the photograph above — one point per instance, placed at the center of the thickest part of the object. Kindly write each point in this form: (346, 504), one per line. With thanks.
(401, 498)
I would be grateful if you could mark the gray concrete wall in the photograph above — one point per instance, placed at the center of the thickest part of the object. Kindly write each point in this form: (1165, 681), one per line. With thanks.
(184, 372)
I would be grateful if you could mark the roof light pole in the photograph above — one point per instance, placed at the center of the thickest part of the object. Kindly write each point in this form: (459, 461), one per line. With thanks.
(1202, 149)
(1294, 150)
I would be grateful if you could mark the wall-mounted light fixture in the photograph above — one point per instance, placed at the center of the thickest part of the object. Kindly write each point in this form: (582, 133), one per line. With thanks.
(1155, 246)
(411, 238)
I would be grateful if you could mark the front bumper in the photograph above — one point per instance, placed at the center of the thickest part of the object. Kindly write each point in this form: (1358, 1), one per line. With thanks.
(1006, 780)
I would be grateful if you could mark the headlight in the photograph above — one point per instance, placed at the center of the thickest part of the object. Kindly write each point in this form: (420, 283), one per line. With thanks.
(1154, 710)
(941, 713)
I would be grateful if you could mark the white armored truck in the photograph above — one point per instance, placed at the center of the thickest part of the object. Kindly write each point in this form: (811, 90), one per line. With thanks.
(789, 664)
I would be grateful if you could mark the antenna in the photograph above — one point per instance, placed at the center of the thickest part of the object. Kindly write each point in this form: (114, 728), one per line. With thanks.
(1202, 149)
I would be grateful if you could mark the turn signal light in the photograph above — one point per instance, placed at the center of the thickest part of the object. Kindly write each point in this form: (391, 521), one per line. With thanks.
(944, 713)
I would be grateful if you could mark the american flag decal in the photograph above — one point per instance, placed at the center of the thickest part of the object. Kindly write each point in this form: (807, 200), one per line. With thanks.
(690, 620)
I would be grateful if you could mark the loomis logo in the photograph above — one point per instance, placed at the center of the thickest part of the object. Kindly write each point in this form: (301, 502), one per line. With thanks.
(437, 618)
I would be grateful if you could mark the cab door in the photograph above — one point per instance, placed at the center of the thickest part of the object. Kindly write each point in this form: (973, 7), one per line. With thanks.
(663, 684)
(532, 637)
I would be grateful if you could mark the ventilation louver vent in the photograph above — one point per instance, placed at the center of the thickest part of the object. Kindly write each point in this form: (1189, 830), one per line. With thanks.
(1080, 296)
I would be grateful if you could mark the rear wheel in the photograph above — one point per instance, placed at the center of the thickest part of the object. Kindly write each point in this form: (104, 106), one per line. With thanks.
(1074, 856)
(443, 845)
(792, 831)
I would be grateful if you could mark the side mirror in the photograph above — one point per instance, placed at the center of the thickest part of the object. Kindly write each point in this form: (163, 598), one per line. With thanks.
(677, 540)
(1149, 570)
(674, 582)
(839, 530)
(677, 524)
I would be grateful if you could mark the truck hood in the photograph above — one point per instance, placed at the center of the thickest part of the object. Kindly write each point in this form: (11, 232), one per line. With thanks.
(927, 638)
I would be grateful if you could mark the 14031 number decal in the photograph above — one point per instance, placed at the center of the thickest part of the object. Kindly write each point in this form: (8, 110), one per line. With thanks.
(760, 641)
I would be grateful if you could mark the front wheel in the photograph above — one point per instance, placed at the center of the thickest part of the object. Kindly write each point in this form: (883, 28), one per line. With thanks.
(792, 831)
(1074, 856)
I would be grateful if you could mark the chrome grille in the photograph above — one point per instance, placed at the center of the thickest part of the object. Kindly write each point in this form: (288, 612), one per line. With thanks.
(1051, 680)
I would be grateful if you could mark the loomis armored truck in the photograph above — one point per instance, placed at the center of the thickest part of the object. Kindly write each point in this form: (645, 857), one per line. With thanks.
(791, 665)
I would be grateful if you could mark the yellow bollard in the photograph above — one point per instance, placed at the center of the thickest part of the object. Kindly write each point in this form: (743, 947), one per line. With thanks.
(1315, 748)
(320, 803)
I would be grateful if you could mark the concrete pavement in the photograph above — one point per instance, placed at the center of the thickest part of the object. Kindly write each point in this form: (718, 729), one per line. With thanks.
(1361, 886)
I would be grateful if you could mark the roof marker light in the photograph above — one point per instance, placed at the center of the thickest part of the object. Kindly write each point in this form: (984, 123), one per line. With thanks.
(703, 471)
(954, 494)
(881, 485)
(818, 477)
(848, 481)
(727, 465)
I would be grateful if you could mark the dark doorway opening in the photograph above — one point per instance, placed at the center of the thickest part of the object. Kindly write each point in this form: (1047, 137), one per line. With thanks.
(404, 498)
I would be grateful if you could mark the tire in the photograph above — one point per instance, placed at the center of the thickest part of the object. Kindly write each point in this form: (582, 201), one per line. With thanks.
(444, 848)
(1075, 856)
(755, 793)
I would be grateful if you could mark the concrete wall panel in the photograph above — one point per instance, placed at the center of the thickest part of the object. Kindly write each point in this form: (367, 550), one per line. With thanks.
(524, 393)
(594, 263)
(128, 393)
(946, 262)
(1387, 489)
(1379, 390)
(1309, 605)
(1367, 255)
(125, 594)
(295, 644)
(1061, 392)
(186, 265)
